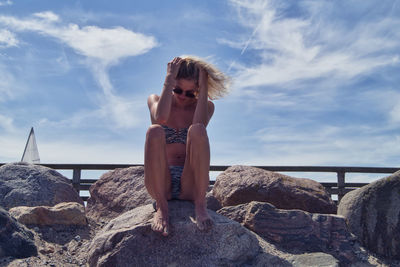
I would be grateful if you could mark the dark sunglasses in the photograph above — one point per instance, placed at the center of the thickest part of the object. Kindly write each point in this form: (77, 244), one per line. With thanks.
(179, 91)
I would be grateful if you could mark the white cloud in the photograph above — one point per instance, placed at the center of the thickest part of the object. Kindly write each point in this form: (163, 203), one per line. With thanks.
(47, 15)
(304, 48)
(320, 82)
(120, 109)
(7, 39)
(102, 48)
(106, 45)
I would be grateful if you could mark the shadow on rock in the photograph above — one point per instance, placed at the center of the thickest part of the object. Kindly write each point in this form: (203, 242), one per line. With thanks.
(62, 234)
(129, 241)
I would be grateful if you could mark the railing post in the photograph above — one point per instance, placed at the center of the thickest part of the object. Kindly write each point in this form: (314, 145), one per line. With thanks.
(76, 179)
(341, 184)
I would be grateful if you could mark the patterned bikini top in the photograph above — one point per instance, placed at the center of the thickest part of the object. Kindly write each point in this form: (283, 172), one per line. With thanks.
(173, 135)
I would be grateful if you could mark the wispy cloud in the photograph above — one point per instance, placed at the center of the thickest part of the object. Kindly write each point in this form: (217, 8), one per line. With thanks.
(302, 48)
(101, 48)
(296, 73)
(7, 39)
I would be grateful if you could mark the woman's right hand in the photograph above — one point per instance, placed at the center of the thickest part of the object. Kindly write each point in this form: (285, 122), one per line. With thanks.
(172, 70)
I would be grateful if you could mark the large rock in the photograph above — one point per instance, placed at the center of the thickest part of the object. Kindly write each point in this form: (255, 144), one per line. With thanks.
(23, 184)
(116, 192)
(296, 229)
(66, 213)
(373, 215)
(15, 240)
(129, 241)
(243, 184)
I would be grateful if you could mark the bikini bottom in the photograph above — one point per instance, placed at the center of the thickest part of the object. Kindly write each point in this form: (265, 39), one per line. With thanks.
(176, 173)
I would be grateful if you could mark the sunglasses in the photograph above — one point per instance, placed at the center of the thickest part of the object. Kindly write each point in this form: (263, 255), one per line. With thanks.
(179, 91)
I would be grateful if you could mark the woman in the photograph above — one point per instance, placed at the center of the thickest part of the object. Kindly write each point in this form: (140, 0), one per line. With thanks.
(177, 152)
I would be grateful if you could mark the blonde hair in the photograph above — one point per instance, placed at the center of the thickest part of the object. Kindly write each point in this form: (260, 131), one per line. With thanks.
(218, 82)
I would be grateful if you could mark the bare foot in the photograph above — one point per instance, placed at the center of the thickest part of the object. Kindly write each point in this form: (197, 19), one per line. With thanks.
(203, 219)
(160, 221)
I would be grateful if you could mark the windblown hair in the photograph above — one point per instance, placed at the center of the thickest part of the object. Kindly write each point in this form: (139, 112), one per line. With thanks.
(218, 82)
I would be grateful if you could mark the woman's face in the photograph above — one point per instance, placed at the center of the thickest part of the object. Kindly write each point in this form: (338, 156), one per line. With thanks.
(188, 87)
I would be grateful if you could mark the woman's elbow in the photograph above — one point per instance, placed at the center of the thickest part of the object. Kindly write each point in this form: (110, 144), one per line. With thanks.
(161, 119)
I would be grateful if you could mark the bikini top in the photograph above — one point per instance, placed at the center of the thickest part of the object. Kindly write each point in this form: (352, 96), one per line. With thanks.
(173, 135)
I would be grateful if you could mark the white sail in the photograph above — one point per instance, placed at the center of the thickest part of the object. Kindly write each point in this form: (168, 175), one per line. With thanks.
(31, 152)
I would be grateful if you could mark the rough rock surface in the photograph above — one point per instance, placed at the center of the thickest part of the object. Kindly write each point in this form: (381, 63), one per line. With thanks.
(212, 202)
(129, 241)
(15, 239)
(116, 192)
(373, 215)
(296, 229)
(242, 184)
(66, 213)
(317, 259)
(23, 184)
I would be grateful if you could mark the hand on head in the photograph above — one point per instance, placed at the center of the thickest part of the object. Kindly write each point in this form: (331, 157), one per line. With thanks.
(172, 69)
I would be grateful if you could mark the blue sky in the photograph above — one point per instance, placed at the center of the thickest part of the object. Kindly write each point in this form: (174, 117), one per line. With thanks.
(314, 82)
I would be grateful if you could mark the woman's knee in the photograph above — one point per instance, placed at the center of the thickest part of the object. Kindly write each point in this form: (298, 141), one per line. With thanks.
(197, 131)
(155, 132)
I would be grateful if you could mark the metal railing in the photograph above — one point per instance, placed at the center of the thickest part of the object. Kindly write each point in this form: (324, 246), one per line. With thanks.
(340, 187)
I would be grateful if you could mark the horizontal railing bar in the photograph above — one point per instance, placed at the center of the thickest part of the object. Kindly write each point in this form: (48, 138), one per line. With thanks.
(355, 184)
(84, 186)
(88, 166)
(88, 181)
(330, 169)
(329, 184)
(68, 166)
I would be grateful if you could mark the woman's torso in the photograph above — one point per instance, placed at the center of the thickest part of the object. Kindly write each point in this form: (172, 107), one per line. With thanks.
(179, 119)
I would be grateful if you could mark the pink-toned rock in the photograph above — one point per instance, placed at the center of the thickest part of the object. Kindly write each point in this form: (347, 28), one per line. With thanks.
(116, 192)
(296, 229)
(66, 213)
(243, 184)
(128, 240)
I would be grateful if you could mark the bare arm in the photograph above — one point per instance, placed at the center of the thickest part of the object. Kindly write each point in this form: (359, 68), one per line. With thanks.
(204, 108)
(160, 106)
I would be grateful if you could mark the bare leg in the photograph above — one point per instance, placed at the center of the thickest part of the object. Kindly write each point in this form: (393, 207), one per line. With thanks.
(195, 177)
(156, 176)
